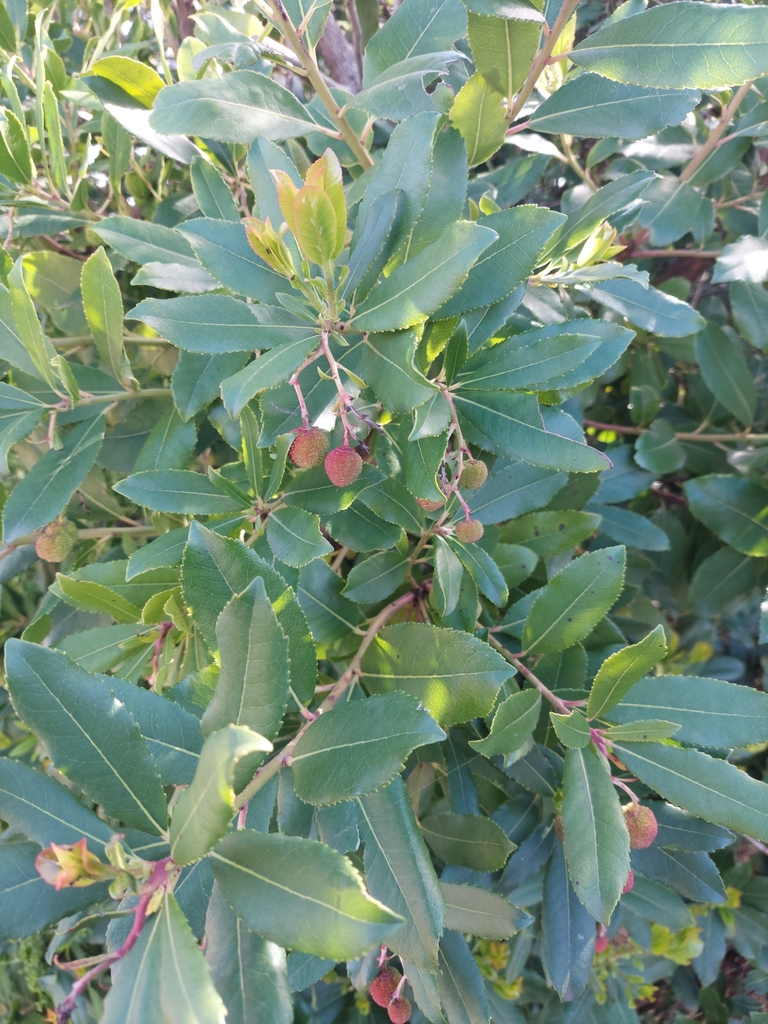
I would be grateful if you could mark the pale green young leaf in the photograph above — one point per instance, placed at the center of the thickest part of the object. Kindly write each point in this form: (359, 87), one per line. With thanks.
(619, 672)
(103, 306)
(512, 725)
(37, 345)
(477, 113)
(93, 597)
(572, 730)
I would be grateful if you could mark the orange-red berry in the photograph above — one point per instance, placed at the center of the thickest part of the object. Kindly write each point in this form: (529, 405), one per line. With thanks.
(601, 943)
(309, 447)
(641, 825)
(429, 504)
(629, 882)
(469, 530)
(474, 475)
(399, 1010)
(383, 986)
(343, 465)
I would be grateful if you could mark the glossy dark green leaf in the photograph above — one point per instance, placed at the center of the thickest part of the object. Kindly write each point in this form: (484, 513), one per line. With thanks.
(176, 490)
(551, 533)
(197, 378)
(475, 911)
(300, 894)
(255, 671)
(455, 676)
(512, 724)
(460, 983)
(572, 729)
(649, 308)
(204, 811)
(629, 528)
(331, 616)
(710, 712)
(512, 489)
(568, 931)
(619, 672)
(596, 837)
(46, 489)
(359, 747)
(574, 601)
(222, 248)
(483, 570)
(399, 872)
(679, 830)
(88, 735)
(733, 508)
(468, 840)
(295, 538)
(725, 371)
(143, 241)
(249, 972)
(163, 976)
(693, 875)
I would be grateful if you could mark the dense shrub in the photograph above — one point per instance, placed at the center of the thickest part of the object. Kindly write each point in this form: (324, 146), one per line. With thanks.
(382, 427)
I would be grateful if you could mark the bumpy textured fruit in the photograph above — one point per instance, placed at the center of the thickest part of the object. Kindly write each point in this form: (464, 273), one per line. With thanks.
(629, 882)
(399, 1011)
(309, 447)
(343, 465)
(474, 475)
(429, 504)
(558, 823)
(601, 943)
(641, 825)
(383, 986)
(469, 530)
(56, 541)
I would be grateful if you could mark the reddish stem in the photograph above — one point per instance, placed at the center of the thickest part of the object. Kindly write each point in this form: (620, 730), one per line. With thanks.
(156, 880)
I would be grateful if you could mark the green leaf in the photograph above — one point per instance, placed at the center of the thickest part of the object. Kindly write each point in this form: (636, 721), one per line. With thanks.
(503, 49)
(673, 208)
(249, 972)
(574, 601)
(48, 486)
(619, 672)
(679, 830)
(359, 747)
(270, 369)
(705, 786)
(483, 570)
(399, 92)
(169, 446)
(196, 379)
(654, 311)
(522, 233)
(512, 725)
(30, 333)
(568, 931)
(205, 809)
(642, 731)
(377, 577)
(460, 983)
(749, 305)
(144, 241)
(551, 533)
(103, 306)
(710, 712)
(419, 287)
(622, 196)
(693, 875)
(314, 492)
(212, 192)
(172, 735)
(743, 260)
(525, 363)
(140, 81)
(477, 113)
(422, 460)
(658, 450)
(175, 490)
(475, 911)
(572, 730)
(733, 508)
(93, 597)
(721, 578)
(89, 736)
(236, 108)
(395, 504)
(295, 538)
(596, 837)
(300, 894)
(446, 584)
(467, 840)
(331, 616)
(44, 810)
(164, 976)
(15, 157)
(513, 488)
(454, 675)
(594, 107)
(709, 46)
(27, 903)
(423, 26)
(255, 675)
(511, 425)
(220, 323)
(629, 528)
(725, 371)
(19, 415)
(223, 249)
(388, 369)
(215, 569)
(399, 872)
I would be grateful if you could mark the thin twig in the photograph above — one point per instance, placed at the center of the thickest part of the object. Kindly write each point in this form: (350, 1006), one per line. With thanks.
(542, 58)
(545, 691)
(726, 117)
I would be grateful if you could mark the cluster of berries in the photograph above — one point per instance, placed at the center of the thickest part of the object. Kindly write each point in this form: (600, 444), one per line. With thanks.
(383, 991)
(310, 448)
